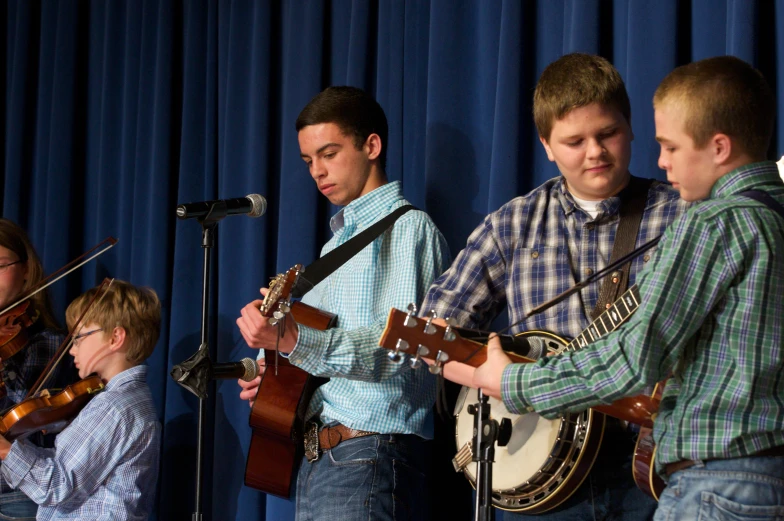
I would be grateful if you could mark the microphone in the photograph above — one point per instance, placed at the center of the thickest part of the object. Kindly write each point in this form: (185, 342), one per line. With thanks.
(246, 369)
(253, 205)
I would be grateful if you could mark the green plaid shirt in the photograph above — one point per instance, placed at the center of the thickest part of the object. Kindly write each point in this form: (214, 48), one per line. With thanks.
(712, 314)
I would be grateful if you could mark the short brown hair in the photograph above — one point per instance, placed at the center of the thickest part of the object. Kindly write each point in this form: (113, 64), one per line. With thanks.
(353, 110)
(573, 81)
(722, 95)
(135, 309)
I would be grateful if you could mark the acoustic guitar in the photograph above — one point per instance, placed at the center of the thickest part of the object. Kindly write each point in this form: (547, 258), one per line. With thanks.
(645, 454)
(278, 413)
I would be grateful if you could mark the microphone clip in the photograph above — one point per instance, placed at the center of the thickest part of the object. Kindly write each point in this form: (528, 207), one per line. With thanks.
(194, 373)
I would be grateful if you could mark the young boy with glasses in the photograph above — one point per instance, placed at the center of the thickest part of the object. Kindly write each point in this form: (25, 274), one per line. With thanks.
(105, 463)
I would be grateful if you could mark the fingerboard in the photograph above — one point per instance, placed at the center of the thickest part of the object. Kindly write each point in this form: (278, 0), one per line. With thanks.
(608, 321)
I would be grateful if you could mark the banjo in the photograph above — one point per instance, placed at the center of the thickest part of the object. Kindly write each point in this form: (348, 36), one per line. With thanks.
(545, 461)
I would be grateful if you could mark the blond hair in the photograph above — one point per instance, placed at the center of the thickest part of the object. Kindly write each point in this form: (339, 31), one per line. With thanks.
(722, 95)
(135, 309)
(573, 81)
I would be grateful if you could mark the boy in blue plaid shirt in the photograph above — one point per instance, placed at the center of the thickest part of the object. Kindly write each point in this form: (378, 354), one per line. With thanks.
(105, 463)
(539, 245)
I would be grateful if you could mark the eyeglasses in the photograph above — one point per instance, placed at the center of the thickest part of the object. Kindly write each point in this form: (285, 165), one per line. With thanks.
(77, 339)
(4, 267)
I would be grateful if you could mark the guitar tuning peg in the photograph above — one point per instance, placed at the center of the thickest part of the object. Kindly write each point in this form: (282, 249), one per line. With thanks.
(421, 351)
(401, 345)
(441, 358)
(430, 329)
(411, 320)
(449, 335)
(284, 307)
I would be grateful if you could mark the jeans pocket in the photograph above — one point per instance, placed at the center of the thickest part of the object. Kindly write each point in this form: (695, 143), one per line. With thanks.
(357, 451)
(716, 508)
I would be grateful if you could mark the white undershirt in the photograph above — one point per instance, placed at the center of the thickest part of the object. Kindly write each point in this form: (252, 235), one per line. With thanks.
(589, 207)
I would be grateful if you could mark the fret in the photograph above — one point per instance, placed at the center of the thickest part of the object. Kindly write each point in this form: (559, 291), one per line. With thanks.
(590, 333)
(600, 322)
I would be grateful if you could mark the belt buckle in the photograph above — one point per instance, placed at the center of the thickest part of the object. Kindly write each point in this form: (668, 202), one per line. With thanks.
(311, 442)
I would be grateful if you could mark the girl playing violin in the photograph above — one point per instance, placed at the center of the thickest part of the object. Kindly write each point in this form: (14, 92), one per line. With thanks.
(20, 269)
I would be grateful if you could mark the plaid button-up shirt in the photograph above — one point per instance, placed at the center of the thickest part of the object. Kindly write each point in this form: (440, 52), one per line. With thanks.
(367, 391)
(712, 313)
(105, 463)
(534, 248)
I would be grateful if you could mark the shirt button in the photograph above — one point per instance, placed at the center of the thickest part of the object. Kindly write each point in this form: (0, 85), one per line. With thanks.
(535, 255)
(588, 271)
(646, 258)
(589, 227)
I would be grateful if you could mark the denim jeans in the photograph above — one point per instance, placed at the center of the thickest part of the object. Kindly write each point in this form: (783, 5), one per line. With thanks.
(379, 477)
(739, 489)
(16, 506)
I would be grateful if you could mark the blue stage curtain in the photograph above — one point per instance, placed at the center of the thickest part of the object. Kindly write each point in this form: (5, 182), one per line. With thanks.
(116, 111)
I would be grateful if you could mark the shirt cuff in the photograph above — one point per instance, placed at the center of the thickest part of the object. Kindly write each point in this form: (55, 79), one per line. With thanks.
(513, 383)
(17, 463)
(311, 346)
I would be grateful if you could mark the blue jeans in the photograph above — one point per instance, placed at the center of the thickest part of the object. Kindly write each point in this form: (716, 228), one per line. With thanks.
(739, 489)
(379, 477)
(608, 493)
(16, 506)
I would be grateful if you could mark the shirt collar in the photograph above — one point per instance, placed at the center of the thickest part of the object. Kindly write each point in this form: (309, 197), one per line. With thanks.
(136, 373)
(608, 207)
(745, 178)
(364, 210)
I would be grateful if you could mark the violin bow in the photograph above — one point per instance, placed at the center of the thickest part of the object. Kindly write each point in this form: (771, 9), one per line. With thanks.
(103, 289)
(67, 269)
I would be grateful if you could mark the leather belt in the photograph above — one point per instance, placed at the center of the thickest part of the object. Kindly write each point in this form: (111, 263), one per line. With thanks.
(672, 468)
(328, 438)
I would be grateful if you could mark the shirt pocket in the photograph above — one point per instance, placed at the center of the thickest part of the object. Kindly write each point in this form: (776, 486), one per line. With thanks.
(538, 274)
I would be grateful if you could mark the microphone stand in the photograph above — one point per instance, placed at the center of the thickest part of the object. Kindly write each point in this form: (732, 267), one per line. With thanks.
(487, 432)
(209, 223)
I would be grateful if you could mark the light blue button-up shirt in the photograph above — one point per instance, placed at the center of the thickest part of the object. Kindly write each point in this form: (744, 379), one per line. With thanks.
(366, 390)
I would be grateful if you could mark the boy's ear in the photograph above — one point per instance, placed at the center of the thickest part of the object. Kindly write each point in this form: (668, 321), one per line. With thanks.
(118, 338)
(546, 146)
(373, 146)
(721, 146)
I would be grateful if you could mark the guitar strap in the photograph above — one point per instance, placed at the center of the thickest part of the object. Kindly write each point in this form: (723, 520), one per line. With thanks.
(323, 267)
(766, 199)
(633, 199)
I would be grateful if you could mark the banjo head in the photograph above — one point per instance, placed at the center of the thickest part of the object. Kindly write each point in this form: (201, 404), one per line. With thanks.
(541, 465)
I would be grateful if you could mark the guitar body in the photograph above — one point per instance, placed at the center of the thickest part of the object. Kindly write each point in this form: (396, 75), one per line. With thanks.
(278, 414)
(643, 468)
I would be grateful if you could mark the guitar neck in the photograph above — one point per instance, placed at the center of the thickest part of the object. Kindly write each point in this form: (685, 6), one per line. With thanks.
(609, 320)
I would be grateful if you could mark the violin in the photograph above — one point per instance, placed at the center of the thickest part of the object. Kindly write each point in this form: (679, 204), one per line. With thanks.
(16, 327)
(48, 412)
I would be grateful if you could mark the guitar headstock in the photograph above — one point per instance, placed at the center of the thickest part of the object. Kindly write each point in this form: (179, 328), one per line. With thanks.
(420, 337)
(279, 290)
